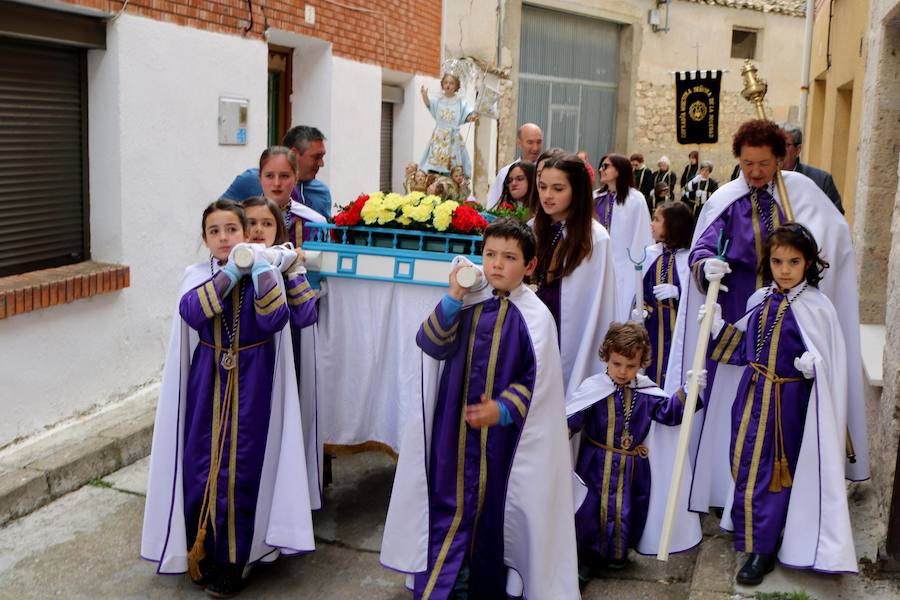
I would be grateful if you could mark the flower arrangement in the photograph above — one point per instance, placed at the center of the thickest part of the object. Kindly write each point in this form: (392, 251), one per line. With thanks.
(412, 211)
(507, 209)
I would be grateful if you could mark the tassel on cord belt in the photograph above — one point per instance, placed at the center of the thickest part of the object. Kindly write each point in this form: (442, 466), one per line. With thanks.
(781, 474)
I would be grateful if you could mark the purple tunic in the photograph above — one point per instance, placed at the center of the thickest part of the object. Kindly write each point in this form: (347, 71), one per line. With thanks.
(487, 350)
(245, 424)
(612, 517)
(550, 292)
(761, 405)
(660, 322)
(603, 206)
(746, 224)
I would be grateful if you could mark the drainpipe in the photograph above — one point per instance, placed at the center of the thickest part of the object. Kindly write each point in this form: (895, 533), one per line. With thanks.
(807, 56)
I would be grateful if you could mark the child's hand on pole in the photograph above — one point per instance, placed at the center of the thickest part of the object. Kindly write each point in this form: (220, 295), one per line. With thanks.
(485, 414)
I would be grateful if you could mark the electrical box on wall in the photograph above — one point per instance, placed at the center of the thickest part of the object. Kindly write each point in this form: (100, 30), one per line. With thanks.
(233, 121)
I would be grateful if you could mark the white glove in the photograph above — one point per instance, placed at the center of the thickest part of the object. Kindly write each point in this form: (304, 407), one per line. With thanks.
(718, 322)
(639, 314)
(281, 257)
(806, 364)
(665, 291)
(715, 269)
(701, 380)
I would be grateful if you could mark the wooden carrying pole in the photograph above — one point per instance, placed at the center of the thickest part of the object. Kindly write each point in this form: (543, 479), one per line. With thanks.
(755, 91)
(690, 405)
(687, 421)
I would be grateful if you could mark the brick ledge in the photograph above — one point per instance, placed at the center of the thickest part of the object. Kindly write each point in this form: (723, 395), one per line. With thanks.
(61, 285)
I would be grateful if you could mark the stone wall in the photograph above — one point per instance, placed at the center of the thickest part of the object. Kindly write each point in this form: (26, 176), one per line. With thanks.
(654, 131)
(877, 238)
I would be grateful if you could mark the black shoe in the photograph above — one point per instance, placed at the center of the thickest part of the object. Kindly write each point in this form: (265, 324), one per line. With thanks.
(226, 582)
(584, 576)
(756, 568)
(206, 572)
(616, 564)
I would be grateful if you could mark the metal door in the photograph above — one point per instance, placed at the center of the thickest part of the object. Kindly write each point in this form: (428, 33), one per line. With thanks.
(568, 79)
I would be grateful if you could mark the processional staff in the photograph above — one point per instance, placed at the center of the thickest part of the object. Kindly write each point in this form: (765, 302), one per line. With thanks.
(754, 91)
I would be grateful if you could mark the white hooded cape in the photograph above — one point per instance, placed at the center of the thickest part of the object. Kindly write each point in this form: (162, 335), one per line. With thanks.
(588, 304)
(308, 390)
(812, 208)
(305, 212)
(817, 534)
(630, 233)
(539, 541)
(661, 442)
(283, 523)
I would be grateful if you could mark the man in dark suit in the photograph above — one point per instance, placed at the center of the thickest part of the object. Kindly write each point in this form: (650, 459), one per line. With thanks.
(792, 162)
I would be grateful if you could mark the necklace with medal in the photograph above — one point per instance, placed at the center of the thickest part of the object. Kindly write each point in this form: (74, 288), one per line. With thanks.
(626, 439)
(229, 358)
(767, 215)
(542, 276)
(763, 337)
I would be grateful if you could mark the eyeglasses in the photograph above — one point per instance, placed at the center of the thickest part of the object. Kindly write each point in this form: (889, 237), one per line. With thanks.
(605, 166)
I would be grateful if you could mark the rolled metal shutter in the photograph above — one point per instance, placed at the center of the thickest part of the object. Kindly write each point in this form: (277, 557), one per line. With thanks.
(387, 146)
(44, 213)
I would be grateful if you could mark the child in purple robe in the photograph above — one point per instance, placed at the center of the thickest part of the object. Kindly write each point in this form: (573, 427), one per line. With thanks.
(786, 362)
(233, 473)
(498, 462)
(665, 272)
(614, 412)
(267, 228)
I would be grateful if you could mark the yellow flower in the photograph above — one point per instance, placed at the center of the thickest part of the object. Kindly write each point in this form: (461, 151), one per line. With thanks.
(442, 220)
(420, 213)
(371, 209)
(404, 220)
(392, 201)
(385, 216)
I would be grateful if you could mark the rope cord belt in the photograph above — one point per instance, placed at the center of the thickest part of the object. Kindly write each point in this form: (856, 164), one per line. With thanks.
(781, 474)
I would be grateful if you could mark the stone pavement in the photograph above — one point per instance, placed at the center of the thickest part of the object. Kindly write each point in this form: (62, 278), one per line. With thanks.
(85, 545)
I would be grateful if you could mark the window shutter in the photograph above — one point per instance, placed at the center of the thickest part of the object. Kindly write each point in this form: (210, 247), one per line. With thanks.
(43, 156)
(387, 145)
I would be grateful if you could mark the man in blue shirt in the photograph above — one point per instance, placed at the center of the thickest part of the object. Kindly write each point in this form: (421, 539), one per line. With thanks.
(308, 145)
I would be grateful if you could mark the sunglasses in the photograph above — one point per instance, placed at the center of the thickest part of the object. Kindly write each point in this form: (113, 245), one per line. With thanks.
(605, 166)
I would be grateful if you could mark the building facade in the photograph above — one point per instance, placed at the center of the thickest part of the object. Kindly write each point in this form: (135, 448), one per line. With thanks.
(618, 95)
(877, 242)
(149, 78)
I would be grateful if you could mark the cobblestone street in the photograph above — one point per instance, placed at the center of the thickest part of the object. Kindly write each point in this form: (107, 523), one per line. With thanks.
(86, 545)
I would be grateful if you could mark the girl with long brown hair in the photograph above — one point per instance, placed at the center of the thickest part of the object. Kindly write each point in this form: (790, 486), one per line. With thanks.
(575, 276)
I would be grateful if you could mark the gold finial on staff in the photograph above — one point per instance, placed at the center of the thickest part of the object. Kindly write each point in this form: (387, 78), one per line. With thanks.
(754, 91)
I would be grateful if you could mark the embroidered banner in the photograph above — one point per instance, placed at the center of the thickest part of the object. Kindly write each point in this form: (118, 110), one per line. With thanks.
(697, 106)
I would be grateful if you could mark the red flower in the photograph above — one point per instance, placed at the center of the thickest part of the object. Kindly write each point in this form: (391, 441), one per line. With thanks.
(467, 219)
(506, 206)
(351, 214)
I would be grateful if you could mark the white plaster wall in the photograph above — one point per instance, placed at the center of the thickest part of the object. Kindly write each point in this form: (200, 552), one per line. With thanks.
(354, 143)
(311, 98)
(154, 164)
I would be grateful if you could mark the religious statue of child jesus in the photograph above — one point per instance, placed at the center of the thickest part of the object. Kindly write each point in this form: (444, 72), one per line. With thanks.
(446, 148)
